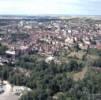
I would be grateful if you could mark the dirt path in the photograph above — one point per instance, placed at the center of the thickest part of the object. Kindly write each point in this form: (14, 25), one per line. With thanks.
(7, 95)
(7, 88)
(80, 75)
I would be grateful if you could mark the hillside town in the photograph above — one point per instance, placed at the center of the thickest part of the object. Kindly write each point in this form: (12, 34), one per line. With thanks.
(48, 37)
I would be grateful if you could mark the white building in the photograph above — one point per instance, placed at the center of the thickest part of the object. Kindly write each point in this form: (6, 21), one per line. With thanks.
(49, 59)
(10, 52)
(20, 90)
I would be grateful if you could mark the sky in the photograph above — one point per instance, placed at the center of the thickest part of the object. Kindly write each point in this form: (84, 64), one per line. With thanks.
(48, 7)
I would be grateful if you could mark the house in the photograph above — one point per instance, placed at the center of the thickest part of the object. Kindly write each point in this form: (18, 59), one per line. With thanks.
(49, 59)
(82, 46)
(10, 52)
(19, 90)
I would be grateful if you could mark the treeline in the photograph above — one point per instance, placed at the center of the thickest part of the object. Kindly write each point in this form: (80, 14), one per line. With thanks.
(45, 79)
(50, 80)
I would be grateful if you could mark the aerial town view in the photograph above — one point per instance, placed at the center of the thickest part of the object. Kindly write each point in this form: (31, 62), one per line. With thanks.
(50, 55)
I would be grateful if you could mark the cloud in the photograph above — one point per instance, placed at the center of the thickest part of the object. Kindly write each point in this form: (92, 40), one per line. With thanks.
(50, 7)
